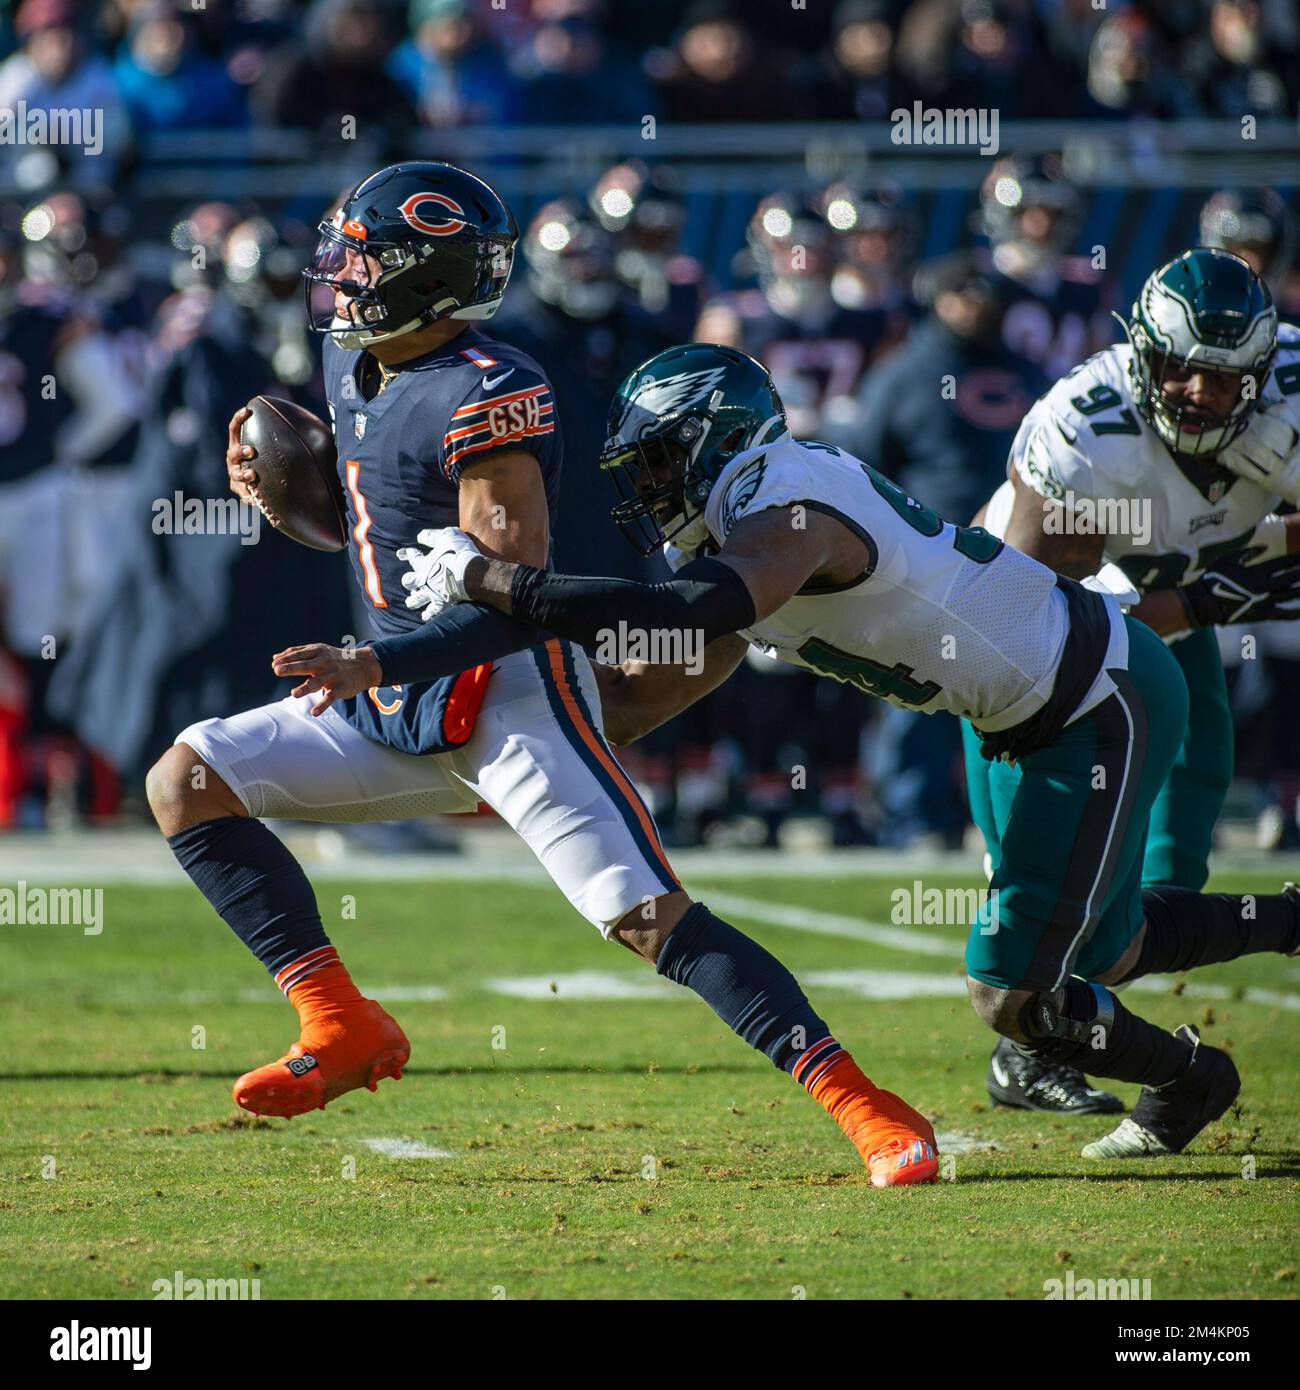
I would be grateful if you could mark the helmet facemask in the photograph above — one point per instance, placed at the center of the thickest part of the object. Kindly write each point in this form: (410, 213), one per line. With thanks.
(401, 298)
(1186, 428)
(1204, 313)
(652, 512)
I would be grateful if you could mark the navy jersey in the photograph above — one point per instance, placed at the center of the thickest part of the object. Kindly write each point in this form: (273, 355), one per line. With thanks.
(815, 365)
(1056, 319)
(32, 414)
(401, 456)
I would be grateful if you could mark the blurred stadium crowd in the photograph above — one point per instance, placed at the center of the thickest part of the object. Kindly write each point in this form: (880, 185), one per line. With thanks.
(284, 64)
(120, 623)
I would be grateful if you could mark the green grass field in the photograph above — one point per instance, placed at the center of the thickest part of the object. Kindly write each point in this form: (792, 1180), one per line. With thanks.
(620, 1147)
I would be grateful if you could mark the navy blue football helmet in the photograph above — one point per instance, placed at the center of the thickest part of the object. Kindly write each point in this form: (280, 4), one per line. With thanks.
(417, 242)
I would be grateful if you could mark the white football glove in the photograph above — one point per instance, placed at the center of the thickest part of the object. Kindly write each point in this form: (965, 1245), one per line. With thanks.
(436, 578)
(1267, 451)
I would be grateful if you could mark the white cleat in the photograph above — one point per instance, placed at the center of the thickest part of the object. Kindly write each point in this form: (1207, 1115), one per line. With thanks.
(1127, 1140)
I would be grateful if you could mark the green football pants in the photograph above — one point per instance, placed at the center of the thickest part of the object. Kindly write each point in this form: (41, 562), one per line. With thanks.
(1069, 824)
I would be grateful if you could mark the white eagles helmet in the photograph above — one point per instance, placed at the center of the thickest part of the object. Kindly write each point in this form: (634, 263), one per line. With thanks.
(1206, 309)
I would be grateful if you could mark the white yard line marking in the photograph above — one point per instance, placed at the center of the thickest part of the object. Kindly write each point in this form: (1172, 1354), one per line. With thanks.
(268, 994)
(405, 1148)
(1193, 989)
(887, 984)
(611, 984)
(835, 924)
(401, 994)
(962, 1144)
(587, 984)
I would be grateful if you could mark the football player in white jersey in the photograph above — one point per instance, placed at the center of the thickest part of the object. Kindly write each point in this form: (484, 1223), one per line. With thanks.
(814, 557)
(1163, 459)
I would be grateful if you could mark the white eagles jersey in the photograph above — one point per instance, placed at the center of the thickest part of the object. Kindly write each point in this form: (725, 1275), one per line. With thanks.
(944, 618)
(1085, 445)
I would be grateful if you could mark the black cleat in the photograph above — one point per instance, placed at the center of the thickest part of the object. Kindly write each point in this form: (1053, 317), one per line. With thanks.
(1167, 1118)
(1026, 1084)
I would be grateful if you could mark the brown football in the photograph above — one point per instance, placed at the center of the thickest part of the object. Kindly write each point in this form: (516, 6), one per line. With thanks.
(297, 484)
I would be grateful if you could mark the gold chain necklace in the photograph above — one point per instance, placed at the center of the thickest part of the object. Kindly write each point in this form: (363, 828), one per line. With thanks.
(385, 376)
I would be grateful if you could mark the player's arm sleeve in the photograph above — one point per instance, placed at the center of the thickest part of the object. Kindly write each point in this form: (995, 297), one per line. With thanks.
(462, 636)
(515, 411)
(706, 596)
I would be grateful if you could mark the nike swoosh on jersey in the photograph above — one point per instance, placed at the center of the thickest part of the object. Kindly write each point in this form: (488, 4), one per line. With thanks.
(491, 385)
(1065, 434)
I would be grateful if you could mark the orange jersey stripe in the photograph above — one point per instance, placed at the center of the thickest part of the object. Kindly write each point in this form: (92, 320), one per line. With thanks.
(499, 400)
(597, 746)
(499, 441)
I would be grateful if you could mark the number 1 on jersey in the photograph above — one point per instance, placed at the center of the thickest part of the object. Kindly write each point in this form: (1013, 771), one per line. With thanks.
(361, 532)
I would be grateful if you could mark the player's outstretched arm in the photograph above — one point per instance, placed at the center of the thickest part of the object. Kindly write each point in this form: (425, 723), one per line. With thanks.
(766, 560)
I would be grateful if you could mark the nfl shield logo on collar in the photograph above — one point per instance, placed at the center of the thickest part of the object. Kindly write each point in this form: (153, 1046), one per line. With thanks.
(1217, 488)
(359, 425)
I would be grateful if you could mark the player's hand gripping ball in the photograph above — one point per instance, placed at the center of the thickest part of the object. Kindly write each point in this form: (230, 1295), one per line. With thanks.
(282, 458)
(436, 578)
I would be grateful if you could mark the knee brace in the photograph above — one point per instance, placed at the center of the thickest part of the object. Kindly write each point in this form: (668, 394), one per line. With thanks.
(1061, 1026)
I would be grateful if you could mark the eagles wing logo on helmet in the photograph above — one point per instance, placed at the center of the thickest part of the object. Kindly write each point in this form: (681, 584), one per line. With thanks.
(660, 396)
(664, 395)
(444, 227)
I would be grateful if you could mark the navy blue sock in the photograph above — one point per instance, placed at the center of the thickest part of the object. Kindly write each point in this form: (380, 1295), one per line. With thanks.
(749, 989)
(259, 889)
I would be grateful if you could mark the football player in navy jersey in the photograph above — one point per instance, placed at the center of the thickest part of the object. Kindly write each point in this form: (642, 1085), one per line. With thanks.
(816, 347)
(438, 424)
(1057, 305)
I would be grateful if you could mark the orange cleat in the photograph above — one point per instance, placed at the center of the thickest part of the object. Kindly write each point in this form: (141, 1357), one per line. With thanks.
(340, 1050)
(896, 1142)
